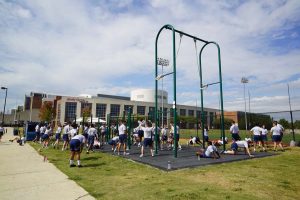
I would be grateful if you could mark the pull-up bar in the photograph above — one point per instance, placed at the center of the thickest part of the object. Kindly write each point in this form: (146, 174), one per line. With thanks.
(188, 35)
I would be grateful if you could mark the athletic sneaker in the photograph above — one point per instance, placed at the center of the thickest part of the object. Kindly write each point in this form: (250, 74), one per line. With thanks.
(72, 165)
(142, 155)
(79, 166)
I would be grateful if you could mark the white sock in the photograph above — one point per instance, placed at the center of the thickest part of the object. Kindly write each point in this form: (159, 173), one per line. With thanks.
(78, 162)
(71, 162)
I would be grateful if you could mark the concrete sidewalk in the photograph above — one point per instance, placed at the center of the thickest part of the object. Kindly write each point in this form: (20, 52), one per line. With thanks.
(24, 175)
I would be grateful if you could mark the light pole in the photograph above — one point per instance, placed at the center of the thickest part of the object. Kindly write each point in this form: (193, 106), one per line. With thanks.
(4, 88)
(163, 63)
(244, 80)
(291, 113)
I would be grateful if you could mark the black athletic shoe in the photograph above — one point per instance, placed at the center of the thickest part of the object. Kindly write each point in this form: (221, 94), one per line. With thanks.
(72, 165)
(79, 166)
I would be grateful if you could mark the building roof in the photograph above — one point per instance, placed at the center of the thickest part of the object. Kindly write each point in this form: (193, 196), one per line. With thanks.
(113, 97)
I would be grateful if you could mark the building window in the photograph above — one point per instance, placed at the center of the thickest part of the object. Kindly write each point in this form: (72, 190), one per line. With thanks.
(127, 107)
(171, 112)
(87, 108)
(114, 110)
(191, 113)
(141, 110)
(101, 110)
(70, 112)
(182, 112)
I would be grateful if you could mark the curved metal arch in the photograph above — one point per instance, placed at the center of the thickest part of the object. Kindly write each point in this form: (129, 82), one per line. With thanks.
(221, 90)
(167, 26)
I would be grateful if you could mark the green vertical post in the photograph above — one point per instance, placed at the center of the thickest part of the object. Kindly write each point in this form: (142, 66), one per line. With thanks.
(98, 128)
(108, 131)
(201, 98)
(174, 95)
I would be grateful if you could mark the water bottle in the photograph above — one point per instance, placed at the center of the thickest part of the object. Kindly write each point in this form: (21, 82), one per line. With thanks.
(169, 165)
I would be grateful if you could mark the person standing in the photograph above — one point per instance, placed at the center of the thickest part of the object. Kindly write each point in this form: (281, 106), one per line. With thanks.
(176, 135)
(1, 132)
(122, 137)
(206, 138)
(76, 146)
(264, 136)
(234, 130)
(66, 136)
(92, 135)
(276, 136)
(37, 133)
(148, 131)
(256, 130)
(57, 136)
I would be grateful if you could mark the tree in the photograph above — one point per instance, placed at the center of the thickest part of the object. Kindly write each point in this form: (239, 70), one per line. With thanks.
(284, 123)
(227, 123)
(86, 113)
(297, 124)
(47, 112)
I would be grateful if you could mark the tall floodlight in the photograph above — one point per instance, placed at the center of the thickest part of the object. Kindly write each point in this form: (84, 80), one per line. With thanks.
(4, 88)
(244, 80)
(163, 63)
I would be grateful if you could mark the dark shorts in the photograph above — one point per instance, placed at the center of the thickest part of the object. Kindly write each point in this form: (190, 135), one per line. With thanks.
(147, 142)
(112, 142)
(37, 135)
(75, 145)
(141, 133)
(177, 137)
(276, 138)
(57, 136)
(256, 138)
(264, 138)
(91, 139)
(122, 138)
(85, 135)
(45, 137)
(234, 146)
(236, 136)
(164, 138)
(66, 137)
(1, 133)
(206, 138)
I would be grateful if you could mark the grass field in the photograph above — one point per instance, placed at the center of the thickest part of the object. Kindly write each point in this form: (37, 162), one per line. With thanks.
(111, 177)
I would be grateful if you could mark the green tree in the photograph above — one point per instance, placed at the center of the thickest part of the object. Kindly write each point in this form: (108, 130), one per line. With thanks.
(227, 123)
(86, 113)
(47, 112)
(284, 123)
(297, 124)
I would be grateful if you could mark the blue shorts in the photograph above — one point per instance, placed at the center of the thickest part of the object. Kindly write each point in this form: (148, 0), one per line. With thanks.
(66, 137)
(234, 146)
(177, 137)
(147, 142)
(122, 138)
(141, 133)
(256, 138)
(45, 137)
(57, 136)
(75, 145)
(164, 138)
(276, 138)
(206, 138)
(85, 135)
(112, 142)
(91, 139)
(235, 136)
(264, 138)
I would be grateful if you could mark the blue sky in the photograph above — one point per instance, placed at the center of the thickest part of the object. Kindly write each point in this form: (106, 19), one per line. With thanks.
(74, 47)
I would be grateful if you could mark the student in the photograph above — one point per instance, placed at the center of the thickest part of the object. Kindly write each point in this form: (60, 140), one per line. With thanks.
(42, 132)
(1, 132)
(20, 140)
(122, 137)
(76, 146)
(57, 136)
(194, 140)
(234, 130)
(114, 142)
(206, 134)
(256, 130)
(66, 136)
(177, 134)
(73, 131)
(102, 132)
(276, 136)
(46, 137)
(236, 144)
(37, 133)
(164, 137)
(210, 152)
(264, 136)
(92, 135)
(148, 130)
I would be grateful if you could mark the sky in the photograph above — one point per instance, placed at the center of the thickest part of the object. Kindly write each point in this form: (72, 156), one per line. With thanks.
(73, 47)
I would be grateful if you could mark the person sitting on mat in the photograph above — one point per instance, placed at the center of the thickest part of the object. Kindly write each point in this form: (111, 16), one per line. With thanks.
(210, 152)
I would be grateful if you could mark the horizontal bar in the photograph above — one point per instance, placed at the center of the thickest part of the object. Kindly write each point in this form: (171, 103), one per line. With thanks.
(188, 35)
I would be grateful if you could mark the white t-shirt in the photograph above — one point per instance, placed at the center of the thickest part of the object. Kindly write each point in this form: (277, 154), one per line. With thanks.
(92, 132)
(73, 132)
(37, 128)
(58, 130)
(147, 132)
(172, 129)
(264, 131)
(210, 149)
(48, 131)
(1, 129)
(122, 129)
(256, 130)
(276, 130)
(205, 132)
(81, 138)
(42, 129)
(242, 143)
(234, 129)
(116, 138)
(66, 129)
(102, 129)
(194, 140)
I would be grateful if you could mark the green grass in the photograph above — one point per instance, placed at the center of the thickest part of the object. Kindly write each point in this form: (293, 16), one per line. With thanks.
(111, 177)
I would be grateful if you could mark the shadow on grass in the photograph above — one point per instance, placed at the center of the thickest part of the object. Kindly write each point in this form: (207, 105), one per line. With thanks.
(95, 164)
(91, 158)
